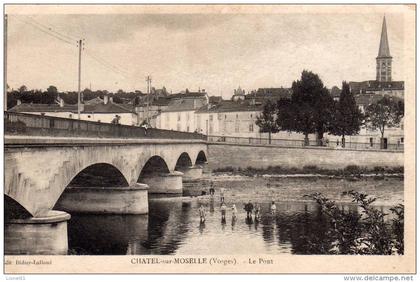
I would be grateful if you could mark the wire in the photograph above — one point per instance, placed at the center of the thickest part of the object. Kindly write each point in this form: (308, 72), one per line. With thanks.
(50, 28)
(48, 32)
(108, 65)
(105, 65)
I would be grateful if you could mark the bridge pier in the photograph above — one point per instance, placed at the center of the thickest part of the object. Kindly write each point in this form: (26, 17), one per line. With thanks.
(46, 235)
(164, 183)
(192, 172)
(192, 180)
(105, 200)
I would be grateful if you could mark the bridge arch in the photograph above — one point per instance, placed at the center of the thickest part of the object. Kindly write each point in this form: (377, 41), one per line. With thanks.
(99, 175)
(92, 176)
(184, 160)
(201, 158)
(154, 165)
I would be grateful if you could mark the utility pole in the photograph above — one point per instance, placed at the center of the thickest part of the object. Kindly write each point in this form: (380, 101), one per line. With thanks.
(80, 77)
(5, 62)
(149, 84)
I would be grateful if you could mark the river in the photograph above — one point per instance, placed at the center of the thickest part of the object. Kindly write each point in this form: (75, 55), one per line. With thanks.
(173, 224)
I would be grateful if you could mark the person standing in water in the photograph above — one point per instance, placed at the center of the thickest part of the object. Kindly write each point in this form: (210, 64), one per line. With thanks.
(257, 212)
(223, 211)
(234, 211)
(248, 208)
(273, 208)
(211, 188)
(222, 194)
(202, 212)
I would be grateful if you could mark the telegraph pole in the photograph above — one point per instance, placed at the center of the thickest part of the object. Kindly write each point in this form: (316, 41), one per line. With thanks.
(80, 77)
(5, 62)
(149, 84)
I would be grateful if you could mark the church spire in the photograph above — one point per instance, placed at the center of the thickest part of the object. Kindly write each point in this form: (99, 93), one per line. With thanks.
(384, 59)
(384, 46)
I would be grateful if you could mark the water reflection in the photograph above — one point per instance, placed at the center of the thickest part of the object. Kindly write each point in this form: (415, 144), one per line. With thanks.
(173, 227)
(106, 234)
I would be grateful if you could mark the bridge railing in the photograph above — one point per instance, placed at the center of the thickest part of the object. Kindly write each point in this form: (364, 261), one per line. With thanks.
(41, 125)
(300, 143)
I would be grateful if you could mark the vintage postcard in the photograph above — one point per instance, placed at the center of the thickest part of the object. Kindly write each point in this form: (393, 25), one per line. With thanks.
(209, 139)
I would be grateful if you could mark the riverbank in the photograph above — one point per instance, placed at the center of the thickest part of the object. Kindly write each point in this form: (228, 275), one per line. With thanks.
(349, 172)
(388, 192)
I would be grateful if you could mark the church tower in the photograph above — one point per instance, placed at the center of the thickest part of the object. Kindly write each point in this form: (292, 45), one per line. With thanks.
(384, 59)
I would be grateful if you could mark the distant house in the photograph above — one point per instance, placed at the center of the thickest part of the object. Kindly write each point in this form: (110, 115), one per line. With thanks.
(214, 100)
(105, 112)
(261, 95)
(238, 94)
(391, 88)
(236, 119)
(179, 114)
(152, 110)
(228, 118)
(94, 101)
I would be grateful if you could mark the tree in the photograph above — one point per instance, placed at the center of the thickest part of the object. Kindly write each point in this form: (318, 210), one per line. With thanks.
(310, 108)
(387, 112)
(52, 89)
(22, 89)
(267, 120)
(347, 118)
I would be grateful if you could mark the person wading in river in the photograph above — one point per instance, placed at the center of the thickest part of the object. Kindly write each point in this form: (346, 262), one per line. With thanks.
(257, 212)
(202, 212)
(222, 195)
(234, 211)
(273, 208)
(211, 190)
(223, 212)
(248, 208)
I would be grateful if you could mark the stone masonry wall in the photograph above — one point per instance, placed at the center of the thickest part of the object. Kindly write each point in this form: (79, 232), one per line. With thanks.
(223, 155)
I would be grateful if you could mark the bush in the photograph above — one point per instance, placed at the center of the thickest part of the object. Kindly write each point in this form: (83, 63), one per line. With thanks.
(353, 170)
(225, 169)
(379, 170)
(361, 233)
(348, 171)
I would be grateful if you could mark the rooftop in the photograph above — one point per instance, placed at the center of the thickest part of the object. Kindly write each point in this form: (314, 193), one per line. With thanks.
(179, 105)
(367, 99)
(96, 108)
(374, 85)
(187, 95)
(230, 106)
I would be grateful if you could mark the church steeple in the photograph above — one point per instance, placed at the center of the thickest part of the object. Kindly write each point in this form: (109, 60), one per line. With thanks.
(384, 59)
(383, 46)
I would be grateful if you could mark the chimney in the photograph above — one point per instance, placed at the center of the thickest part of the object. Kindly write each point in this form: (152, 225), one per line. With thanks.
(19, 102)
(106, 98)
(111, 99)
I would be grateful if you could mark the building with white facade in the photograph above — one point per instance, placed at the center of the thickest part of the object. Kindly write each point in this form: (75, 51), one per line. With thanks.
(180, 115)
(104, 112)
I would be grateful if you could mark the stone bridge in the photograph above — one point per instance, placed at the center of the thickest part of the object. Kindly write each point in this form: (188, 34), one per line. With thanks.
(56, 166)
(37, 171)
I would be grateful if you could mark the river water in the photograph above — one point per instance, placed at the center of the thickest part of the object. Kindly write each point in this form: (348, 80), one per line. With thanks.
(173, 224)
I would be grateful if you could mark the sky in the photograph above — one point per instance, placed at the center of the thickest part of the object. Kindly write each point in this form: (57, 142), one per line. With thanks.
(216, 52)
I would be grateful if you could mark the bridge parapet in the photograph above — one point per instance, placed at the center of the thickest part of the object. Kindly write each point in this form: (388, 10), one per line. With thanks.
(39, 125)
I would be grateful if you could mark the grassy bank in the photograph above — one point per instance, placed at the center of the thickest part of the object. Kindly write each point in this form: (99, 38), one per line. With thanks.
(348, 171)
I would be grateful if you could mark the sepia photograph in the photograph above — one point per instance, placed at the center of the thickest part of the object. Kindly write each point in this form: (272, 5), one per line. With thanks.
(183, 137)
